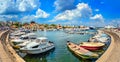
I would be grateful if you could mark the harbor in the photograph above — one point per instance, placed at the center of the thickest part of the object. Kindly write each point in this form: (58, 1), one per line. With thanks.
(59, 31)
(112, 53)
(60, 46)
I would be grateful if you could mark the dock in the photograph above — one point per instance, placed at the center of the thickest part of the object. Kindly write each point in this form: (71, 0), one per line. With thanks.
(112, 54)
(4, 57)
(7, 53)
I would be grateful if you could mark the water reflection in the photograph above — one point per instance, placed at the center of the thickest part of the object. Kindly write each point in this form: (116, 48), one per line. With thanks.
(38, 57)
(61, 52)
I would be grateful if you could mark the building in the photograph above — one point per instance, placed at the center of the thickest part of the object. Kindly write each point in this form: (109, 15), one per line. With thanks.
(32, 26)
(59, 26)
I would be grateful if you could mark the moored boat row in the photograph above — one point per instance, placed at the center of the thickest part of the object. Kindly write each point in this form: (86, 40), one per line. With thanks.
(30, 43)
(84, 49)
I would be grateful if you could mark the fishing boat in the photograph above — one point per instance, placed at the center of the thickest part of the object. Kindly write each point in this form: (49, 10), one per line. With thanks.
(81, 52)
(92, 45)
(40, 45)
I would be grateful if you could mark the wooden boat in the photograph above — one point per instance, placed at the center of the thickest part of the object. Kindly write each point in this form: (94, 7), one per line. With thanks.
(81, 52)
(92, 45)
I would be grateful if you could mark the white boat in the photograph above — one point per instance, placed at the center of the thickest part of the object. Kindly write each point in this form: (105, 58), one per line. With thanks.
(29, 36)
(38, 46)
(101, 36)
(103, 39)
(23, 43)
(17, 41)
(23, 40)
(25, 37)
(17, 33)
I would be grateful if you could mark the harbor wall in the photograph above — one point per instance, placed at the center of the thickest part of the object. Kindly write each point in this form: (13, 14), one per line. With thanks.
(112, 54)
(8, 48)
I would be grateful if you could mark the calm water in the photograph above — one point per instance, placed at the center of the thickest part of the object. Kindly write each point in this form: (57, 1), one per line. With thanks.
(61, 52)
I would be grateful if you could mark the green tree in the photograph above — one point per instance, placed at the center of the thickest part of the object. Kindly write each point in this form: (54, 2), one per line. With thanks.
(54, 25)
(25, 24)
(46, 25)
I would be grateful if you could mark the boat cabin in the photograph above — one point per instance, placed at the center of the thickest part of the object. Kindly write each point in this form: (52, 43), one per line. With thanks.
(39, 41)
(29, 36)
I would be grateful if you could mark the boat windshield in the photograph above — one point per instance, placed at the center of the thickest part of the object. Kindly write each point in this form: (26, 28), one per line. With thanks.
(23, 38)
(35, 46)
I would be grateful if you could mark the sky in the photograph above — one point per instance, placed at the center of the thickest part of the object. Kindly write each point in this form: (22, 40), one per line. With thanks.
(65, 12)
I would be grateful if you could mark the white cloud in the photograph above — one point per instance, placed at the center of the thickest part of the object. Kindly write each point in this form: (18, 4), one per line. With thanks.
(62, 5)
(28, 18)
(41, 14)
(115, 22)
(8, 17)
(17, 6)
(97, 10)
(26, 5)
(3, 6)
(97, 17)
(82, 10)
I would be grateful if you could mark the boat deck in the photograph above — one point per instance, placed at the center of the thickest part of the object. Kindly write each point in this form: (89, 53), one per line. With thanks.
(112, 54)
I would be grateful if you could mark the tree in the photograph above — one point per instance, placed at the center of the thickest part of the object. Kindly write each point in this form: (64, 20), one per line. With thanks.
(46, 25)
(54, 25)
(25, 24)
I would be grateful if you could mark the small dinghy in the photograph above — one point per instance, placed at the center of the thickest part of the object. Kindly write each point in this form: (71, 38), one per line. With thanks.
(81, 52)
(92, 45)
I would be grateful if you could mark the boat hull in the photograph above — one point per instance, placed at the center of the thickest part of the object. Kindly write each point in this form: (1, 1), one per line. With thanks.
(92, 45)
(36, 51)
(81, 53)
(92, 48)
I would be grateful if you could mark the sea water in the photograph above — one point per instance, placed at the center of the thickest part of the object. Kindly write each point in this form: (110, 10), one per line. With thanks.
(61, 53)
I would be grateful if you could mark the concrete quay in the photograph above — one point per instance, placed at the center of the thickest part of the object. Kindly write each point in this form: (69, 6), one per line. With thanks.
(112, 54)
(4, 57)
(7, 53)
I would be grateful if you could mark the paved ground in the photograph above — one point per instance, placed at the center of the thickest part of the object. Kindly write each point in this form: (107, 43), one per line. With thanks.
(4, 57)
(112, 54)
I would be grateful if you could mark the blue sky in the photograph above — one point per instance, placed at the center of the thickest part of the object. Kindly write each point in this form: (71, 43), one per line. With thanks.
(70, 12)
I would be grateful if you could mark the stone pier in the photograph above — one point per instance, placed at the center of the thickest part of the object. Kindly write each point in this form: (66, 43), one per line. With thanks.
(112, 54)
(7, 53)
